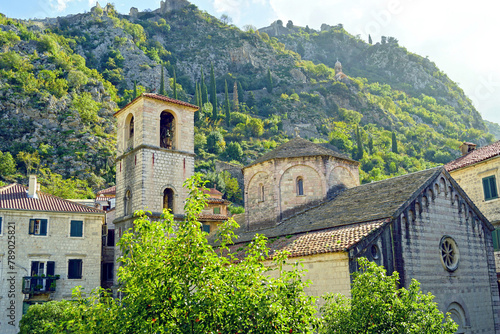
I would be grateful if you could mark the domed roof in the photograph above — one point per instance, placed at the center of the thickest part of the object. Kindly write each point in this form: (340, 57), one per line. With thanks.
(299, 147)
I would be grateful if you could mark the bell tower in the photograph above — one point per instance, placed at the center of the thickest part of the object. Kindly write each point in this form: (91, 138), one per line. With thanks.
(155, 155)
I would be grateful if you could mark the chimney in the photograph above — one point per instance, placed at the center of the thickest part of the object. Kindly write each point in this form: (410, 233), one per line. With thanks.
(33, 187)
(465, 148)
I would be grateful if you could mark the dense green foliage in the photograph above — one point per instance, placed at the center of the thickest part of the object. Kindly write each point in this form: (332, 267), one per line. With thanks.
(120, 57)
(173, 281)
(378, 306)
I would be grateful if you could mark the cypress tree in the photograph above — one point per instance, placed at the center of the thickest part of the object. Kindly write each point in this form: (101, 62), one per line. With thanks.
(227, 106)
(162, 82)
(135, 90)
(251, 100)
(370, 145)
(369, 39)
(203, 89)
(359, 142)
(269, 81)
(236, 103)
(197, 98)
(213, 93)
(394, 143)
(175, 86)
(241, 93)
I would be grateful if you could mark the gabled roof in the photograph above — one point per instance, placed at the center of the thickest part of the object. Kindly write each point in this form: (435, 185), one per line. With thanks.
(107, 191)
(212, 217)
(160, 98)
(330, 240)
(211, 191)
(299, 147)
(370, 202)
(15, 197)
(475, 156)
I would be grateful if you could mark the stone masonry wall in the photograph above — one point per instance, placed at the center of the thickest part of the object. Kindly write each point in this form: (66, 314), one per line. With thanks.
(57, 246)
(441, 212)
(329, 273)
(279, 177)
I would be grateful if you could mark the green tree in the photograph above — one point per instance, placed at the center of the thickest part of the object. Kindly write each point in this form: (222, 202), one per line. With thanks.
(162, 82)
(233, 151)
(251, 100)
(175, 86)
(213, 93)
(394, 143)
(56, 185)
(359, 143)
(369, 39)
(227, 106)
(204, 90)
(31, 160)
(370, 145)
(241, 93)
(269, 81)
(215, 142)
(197, 97)
(236, 102)
(135, 90)
(8, 166)
(300, 49)
(378, 306)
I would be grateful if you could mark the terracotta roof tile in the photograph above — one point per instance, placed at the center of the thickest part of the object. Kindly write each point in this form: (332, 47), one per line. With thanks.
(161, 98)
(107, 191)
(15, 197)
(330, 240)
(212, 200)
(473, 157)
(211, 191)
(208, 216)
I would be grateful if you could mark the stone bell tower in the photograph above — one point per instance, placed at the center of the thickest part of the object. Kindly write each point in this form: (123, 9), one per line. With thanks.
(155, 155)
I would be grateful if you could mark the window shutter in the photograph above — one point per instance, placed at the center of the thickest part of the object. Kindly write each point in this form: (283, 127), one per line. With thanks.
(486, 187)
(34, 268)
(43, 226)
(0, 225)
(76, 229)
(206, 228)
(493, 187)
(51, 268)
(111, 237)
(32, 226)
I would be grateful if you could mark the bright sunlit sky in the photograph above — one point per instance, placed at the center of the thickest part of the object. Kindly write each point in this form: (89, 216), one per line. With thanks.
(461, 37)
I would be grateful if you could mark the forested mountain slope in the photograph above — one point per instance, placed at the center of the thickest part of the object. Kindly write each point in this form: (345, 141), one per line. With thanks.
(61, 80)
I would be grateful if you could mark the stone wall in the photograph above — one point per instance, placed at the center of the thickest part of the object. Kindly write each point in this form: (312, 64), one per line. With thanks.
(470, 292)
(56, 246)
(329, 273)
(279, 178)
(470, 179)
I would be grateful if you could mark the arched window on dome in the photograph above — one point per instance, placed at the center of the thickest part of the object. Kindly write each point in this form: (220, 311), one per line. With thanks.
(261, 193)
(168, 199)
(300, 186)
(167, 130)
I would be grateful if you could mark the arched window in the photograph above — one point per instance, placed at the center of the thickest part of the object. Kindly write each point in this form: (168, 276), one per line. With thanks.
(300, 186)
(168, 199)
(167, 130)
(261, 193)
(131, 128)
(127, 203)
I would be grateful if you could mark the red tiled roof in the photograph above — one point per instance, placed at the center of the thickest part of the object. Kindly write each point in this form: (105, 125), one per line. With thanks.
(475, 156)
(161, 98)
(208, 216)
(15, 197)
(107, 191)
(212, 200)
(329, 240)
(211, 191)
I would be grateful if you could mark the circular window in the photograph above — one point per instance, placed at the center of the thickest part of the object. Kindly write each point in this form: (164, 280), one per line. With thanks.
(449, 253)
(375, 252)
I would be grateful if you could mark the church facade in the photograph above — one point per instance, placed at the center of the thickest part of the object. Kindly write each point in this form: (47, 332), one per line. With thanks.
(307, 199)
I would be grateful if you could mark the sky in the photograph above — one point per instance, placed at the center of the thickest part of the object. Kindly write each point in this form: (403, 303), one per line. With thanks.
(459, 36)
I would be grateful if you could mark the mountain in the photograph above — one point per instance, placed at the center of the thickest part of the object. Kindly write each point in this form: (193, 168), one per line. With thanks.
(61, 79)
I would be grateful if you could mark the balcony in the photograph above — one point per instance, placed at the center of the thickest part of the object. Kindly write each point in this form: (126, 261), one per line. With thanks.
(39, 285)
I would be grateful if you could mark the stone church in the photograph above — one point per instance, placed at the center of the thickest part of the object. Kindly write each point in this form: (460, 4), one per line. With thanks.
(306, 198)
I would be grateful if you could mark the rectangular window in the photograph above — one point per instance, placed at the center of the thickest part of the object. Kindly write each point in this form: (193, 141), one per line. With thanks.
(107, 271)
(76, 229)
(38, 227)
(216, 211)
(490, 188)
(1, 231)
(206, 228)
(111, 238)
(75, 269)
(496, 239)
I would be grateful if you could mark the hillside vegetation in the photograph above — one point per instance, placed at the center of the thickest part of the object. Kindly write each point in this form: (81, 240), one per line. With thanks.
(62, 79)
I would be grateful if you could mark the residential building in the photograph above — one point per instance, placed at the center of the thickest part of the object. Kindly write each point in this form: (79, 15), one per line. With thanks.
(48, 246)
(215, 212)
